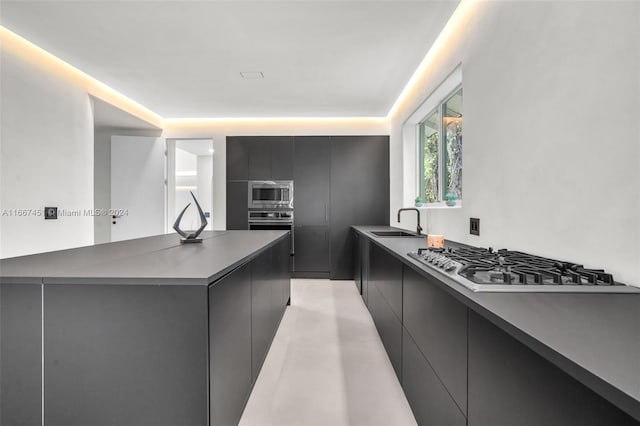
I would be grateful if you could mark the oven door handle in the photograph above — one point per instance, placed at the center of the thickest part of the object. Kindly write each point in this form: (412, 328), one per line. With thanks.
(259, 222)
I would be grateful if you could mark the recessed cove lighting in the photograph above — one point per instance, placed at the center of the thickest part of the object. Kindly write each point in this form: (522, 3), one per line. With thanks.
(251, 75)
(211, 151)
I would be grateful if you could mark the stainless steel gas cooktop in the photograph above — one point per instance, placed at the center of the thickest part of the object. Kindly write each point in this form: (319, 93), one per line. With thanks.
(486, 270)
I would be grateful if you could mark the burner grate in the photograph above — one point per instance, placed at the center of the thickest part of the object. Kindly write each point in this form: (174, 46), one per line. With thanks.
(486, 266)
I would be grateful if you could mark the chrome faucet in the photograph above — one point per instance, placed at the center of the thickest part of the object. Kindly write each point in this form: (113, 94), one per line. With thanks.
(419, 229)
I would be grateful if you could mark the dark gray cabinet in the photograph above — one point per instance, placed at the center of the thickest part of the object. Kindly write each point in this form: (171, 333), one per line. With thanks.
(136, 351)
(237, 158)
(282, 158)
(359, 193)
(385, 272)
(389, 328)
(254, 158)
(259, 159)
(311, 206)
(357, 261)
(21, 362)
(311, 180)
(509, 384)
(365, 266)
(230, 331)
(437, 324)
(361, 264)
(311, 251)
(339, 181)
(267, 302)
(268, 157)
(385, 301)
(456, 367)
(127, 354)
(262, 318)
(429, 400)
(282, 264)
(237, 205)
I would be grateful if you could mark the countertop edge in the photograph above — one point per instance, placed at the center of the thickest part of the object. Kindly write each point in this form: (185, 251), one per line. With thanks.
(222, 273)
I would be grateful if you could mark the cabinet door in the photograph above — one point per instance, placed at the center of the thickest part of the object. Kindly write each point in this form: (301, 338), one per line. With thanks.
(511, 385)
(357, 261)
(237, 158)
(364, 247)
(134, 354)
(237, 205)
(230, 346)
(259, 158)
(388, 326)
(359, 193)
(282, 263)
(311, 249)
(385, 271)
(21, 361)
(429, 400)
(282, 158)
(438, 324)
(265, 297)
(311, 180)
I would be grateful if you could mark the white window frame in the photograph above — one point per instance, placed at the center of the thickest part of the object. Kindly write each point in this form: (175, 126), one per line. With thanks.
(441, 148)
(411, 137)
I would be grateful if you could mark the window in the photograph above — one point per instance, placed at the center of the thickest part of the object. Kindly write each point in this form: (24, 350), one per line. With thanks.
(440, 150)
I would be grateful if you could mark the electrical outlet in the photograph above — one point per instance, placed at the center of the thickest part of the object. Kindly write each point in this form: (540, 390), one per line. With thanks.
(474, 226)
(50, 212)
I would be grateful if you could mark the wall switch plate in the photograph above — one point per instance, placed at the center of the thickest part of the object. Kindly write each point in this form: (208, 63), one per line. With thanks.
(474, 226)
(50, 212)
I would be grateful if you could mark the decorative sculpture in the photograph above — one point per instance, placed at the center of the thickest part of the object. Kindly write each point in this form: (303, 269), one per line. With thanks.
(193, 236)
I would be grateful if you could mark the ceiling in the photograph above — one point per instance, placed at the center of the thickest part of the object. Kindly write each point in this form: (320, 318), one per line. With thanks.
(106, 115)
(183, 59)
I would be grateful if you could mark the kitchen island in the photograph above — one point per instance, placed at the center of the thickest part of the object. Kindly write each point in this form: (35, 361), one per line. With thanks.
(145, 331)
(499, 358)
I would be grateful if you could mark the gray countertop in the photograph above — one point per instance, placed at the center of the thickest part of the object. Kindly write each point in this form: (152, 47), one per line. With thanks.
(593, 337)
(154, 260)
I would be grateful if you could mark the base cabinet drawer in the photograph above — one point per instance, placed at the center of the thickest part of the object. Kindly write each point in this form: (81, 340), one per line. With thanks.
(311, 249)
(385, 271)
(438, 324)
(388, 326)
(429, 400)
(510, 385)
(230, 346)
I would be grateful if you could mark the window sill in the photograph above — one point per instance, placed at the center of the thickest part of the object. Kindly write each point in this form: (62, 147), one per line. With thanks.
(440, 206)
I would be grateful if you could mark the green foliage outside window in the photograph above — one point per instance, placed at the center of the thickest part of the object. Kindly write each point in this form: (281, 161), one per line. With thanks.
(430, 167)
(442, 150)
(454, 159)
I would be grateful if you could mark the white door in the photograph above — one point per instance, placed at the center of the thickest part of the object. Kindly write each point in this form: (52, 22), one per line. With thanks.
(137, 187)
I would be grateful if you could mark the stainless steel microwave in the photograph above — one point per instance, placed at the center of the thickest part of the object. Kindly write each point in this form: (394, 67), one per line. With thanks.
(270, 194)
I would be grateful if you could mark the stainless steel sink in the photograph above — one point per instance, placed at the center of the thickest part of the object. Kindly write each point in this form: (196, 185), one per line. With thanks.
(393, 234)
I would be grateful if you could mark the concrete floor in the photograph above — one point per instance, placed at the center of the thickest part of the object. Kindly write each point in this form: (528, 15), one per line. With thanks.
(327, 365)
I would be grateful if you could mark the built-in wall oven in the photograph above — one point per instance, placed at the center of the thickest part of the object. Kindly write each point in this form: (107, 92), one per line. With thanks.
(272, 219)
(270, 194)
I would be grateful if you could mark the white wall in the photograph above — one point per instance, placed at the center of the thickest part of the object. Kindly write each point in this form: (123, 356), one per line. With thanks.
(551, 132)
(46, 145)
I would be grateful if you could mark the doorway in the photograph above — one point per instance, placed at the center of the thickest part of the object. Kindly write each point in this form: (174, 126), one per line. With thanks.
(189, 170)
